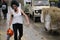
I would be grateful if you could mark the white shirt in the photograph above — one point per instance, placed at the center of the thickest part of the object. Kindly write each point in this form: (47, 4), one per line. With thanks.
(17, 17)
(3, 7)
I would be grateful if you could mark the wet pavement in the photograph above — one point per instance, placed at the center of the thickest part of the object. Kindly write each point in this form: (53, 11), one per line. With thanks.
(29, 32)
(34, 32)
(45, 34)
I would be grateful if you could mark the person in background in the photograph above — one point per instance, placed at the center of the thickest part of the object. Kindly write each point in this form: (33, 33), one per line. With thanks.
(0, 7)
(4, 9)
(0, 4)
(16, 20)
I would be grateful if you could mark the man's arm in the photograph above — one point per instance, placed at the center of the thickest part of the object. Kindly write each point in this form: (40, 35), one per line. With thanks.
(27, 19)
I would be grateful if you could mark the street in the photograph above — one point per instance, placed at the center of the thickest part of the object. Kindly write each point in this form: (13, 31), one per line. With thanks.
(35, 31)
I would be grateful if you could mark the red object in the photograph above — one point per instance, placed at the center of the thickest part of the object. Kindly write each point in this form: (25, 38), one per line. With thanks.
(10, 32)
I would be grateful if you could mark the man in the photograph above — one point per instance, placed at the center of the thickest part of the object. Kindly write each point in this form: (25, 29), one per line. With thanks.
(0, 4)
(4, 8)
(0, 8)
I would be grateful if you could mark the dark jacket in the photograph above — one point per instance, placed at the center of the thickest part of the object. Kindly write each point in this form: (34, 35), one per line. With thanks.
(4, 7)
(0, 4)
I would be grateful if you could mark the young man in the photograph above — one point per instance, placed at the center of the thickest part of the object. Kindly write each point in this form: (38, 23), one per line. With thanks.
(0, 8)
(16, 20)
(4, 8)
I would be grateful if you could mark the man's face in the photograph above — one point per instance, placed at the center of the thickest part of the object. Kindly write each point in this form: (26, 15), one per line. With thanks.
(14, 7)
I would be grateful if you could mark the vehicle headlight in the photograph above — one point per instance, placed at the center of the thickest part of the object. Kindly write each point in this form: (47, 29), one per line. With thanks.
(38, 11)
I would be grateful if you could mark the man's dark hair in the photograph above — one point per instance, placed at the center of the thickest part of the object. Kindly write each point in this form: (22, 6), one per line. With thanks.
(14, 3)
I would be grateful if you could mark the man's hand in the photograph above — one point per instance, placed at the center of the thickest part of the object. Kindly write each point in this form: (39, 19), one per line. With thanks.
(28, 24)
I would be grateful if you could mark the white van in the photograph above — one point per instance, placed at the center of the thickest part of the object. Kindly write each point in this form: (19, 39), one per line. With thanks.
(36, 8)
